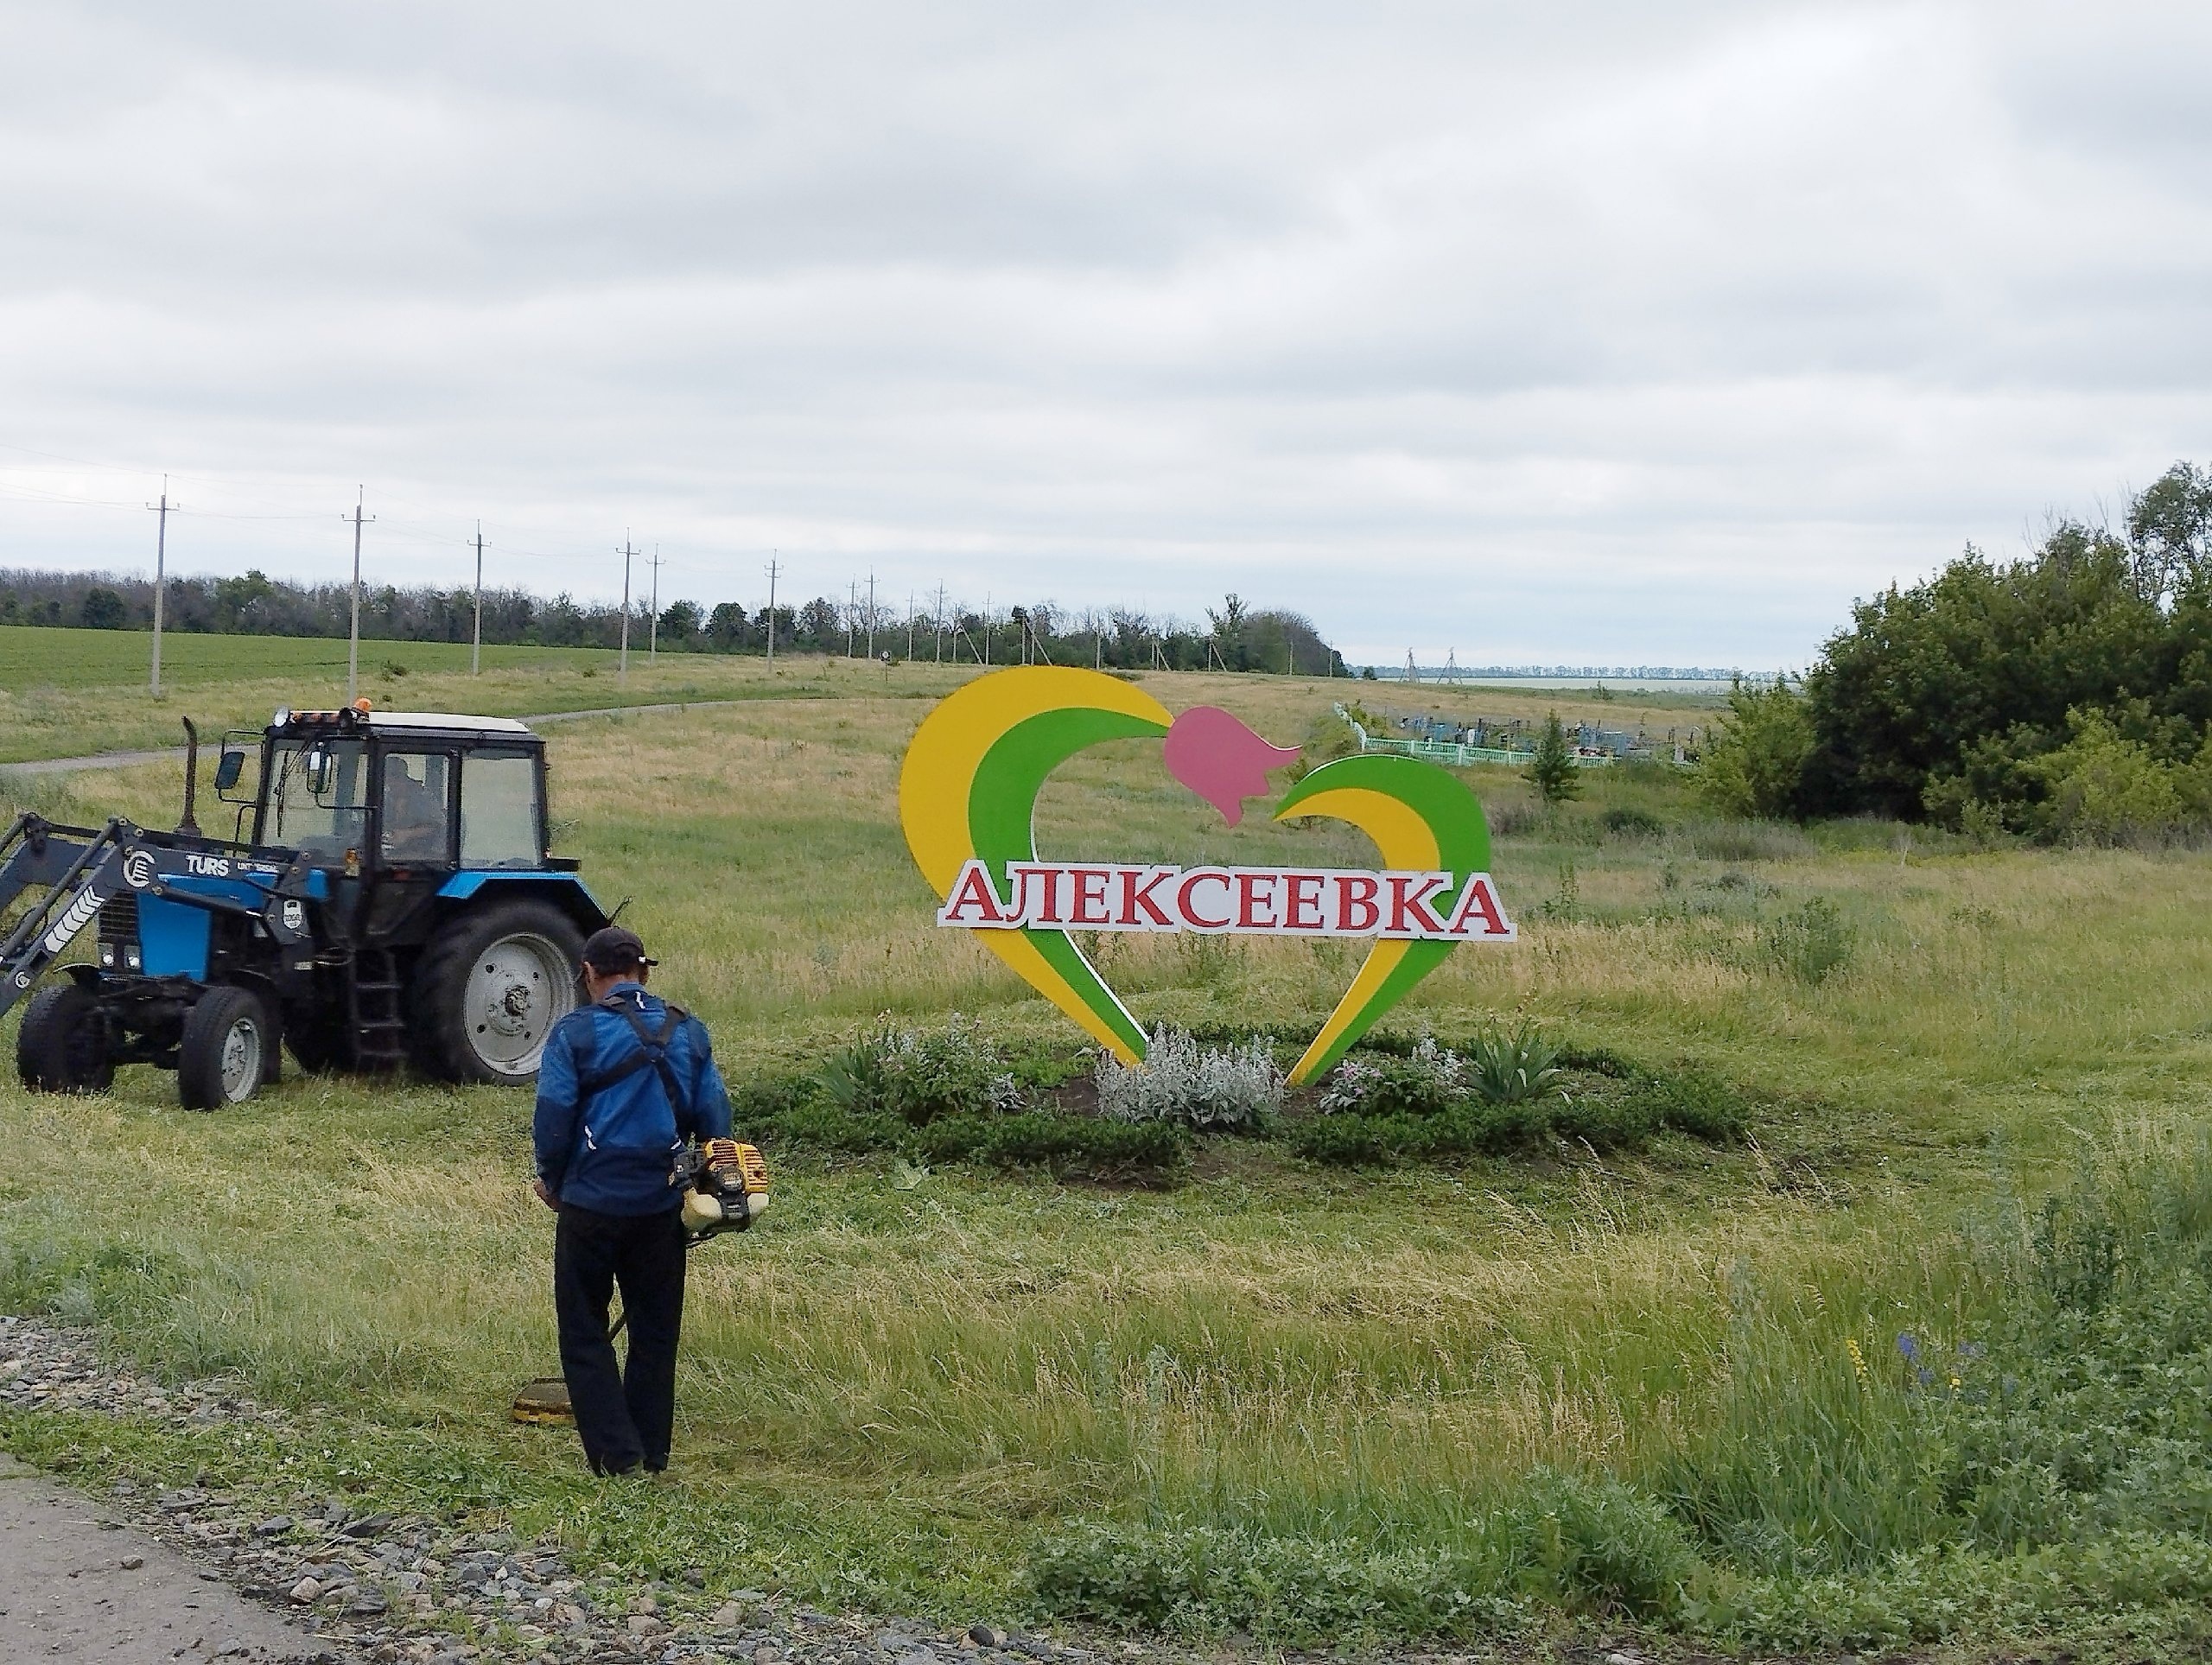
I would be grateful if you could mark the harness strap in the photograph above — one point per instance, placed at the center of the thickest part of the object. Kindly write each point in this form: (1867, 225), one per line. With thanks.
(652, 1051)
(652, 1054)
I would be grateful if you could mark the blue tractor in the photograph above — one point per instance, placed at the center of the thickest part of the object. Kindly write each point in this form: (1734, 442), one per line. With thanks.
(386, 898)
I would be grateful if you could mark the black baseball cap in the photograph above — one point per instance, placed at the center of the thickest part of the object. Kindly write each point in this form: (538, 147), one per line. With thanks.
(615, 949)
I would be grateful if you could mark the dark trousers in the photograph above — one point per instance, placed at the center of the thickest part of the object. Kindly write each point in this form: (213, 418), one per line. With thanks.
(625, 1416)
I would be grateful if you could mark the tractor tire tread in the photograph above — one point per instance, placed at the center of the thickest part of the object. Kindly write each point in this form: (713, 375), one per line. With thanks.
(436, 992)
(43, 1042)
(199, 1053)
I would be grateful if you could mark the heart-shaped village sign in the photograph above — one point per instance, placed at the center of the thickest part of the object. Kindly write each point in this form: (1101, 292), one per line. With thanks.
(967, 796)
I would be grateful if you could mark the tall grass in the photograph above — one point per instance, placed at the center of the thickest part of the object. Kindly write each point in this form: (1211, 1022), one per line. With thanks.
(1433, 1397)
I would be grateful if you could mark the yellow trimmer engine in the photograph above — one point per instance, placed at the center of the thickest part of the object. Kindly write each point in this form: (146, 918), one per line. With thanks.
(728, 1190)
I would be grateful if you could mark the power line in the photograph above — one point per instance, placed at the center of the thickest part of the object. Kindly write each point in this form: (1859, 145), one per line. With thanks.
(164, 508)
(622, 671)
(652, 637)
(476, 639)
(773, 569)
(353, 610)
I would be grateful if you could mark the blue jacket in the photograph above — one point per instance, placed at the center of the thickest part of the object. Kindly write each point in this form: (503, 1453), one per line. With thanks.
(612, 1150)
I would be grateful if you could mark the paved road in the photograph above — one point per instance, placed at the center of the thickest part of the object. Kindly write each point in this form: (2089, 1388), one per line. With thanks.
(74, 1588)
(169, 753)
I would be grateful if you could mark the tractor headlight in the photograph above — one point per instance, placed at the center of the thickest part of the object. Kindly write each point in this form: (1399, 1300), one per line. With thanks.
(134, 959)
(107, 957)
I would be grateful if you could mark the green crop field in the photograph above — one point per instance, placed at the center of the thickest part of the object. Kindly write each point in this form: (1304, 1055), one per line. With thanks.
(33, 657)
(1831, 1378)
(66, 693)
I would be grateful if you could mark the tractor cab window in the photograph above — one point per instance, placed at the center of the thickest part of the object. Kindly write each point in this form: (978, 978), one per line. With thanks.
(418, 797)
(501, 823)
(318, 798)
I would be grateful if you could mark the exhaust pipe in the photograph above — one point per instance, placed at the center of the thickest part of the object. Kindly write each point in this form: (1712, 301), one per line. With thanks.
(190, 825)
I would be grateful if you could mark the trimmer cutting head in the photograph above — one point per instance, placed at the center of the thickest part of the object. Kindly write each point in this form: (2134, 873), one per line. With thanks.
(545, 1401)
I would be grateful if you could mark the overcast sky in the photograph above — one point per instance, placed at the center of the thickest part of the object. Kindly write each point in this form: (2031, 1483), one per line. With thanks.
(1588, 333)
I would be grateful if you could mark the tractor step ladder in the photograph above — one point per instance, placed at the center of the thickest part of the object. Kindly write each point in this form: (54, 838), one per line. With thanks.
(373, 1011)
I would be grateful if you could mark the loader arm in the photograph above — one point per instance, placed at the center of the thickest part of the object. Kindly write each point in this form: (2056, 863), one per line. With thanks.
(36, 851)
(116, 859)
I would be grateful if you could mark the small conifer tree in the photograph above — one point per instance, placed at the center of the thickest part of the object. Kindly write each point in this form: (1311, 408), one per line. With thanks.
(1553, 772)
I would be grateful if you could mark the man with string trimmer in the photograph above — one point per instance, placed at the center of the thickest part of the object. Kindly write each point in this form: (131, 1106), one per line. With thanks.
(633, 1152)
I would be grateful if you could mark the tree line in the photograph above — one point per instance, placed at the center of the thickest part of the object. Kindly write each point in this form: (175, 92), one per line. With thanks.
(1235, 637)
(2066, 695)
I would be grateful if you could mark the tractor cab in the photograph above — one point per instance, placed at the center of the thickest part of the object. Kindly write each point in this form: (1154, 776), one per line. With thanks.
(396, 795)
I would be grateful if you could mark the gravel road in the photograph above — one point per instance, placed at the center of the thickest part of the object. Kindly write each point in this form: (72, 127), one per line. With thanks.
(75, 1583)
(189, 1573)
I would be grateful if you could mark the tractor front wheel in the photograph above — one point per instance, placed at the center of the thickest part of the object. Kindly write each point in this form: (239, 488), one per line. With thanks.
(227, 1047)
(488, 990)
(62, 1047)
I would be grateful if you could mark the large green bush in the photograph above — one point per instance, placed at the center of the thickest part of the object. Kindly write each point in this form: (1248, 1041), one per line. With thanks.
(1753, 763)
(1975, 698)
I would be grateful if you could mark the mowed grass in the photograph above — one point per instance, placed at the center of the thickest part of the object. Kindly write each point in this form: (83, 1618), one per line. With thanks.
(903, 1386)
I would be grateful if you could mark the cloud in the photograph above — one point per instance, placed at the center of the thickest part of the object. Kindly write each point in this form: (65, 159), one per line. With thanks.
(1602, 332)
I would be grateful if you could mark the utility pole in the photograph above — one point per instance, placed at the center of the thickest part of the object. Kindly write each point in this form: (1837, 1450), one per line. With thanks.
(910, 627)
(476, 639)
(852, 606)
(622, 669)
(652, 638)
(989, 624)
(773, 570)
(940, 624)
(161, 568)
(871, 616)
(353, 627)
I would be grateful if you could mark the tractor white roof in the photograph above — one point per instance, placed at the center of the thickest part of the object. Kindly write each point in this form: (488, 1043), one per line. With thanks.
(445, 720)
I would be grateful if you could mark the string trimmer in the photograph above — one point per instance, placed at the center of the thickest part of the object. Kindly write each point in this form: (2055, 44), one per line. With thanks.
(726, 1190)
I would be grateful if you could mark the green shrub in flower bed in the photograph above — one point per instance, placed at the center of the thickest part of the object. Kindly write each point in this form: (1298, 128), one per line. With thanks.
(953, 1096)
(1071, 1145)
(1498, 1091)
(1087, 1145)
(958, 1097)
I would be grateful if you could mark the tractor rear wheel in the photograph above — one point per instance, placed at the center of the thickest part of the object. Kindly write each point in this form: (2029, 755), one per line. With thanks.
(488, 990)
(223, 1056)
(62, 1047)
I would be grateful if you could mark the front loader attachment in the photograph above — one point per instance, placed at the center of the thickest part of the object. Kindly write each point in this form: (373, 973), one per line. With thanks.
(79, 877)
(36, 851)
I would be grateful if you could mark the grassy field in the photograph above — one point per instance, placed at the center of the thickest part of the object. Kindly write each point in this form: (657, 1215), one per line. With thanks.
(68, 693)
(1473, 1399)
